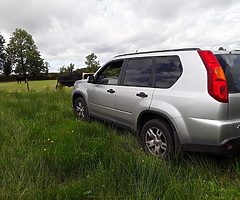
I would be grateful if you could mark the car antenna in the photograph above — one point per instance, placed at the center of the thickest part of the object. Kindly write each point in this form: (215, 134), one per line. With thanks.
(136, 51)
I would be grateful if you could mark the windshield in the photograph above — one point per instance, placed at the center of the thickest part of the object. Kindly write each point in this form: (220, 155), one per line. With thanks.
(231, 67)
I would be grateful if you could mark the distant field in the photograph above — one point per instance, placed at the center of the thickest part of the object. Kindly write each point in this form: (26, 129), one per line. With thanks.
(48, 85)
(45, 153)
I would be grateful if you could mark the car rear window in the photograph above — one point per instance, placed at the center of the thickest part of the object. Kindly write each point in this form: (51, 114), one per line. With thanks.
(168, 71)
(231, 67)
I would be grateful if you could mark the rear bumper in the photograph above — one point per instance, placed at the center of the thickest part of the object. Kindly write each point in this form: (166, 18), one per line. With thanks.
(213, 136)
(229, 146)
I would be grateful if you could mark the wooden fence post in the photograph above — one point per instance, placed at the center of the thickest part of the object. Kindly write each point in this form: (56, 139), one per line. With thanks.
(27, 85)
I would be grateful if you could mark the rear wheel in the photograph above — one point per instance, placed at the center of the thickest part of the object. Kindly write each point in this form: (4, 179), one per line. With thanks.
(156, 138)
(80, 109)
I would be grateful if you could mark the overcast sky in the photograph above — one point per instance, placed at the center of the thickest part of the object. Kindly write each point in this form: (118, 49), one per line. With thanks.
(66, 31)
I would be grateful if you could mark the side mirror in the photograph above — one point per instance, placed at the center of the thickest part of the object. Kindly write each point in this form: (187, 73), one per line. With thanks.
(90, 79)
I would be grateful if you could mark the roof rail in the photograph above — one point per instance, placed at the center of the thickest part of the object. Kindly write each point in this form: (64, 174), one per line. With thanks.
(184, 49)
(236, 51)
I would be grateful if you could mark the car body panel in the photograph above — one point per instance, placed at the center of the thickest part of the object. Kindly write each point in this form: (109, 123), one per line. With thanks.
(101, 103)
(128, 106)
(234, 106)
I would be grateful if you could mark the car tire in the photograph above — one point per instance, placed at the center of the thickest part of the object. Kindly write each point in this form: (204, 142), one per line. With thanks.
(156, 138)
(80, 109)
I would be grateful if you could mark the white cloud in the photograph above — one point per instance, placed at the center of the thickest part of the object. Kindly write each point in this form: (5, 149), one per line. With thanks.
(67, 31)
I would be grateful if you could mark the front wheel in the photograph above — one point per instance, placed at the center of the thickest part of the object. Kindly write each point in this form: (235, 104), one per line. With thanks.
(156, 138)
(80, 108)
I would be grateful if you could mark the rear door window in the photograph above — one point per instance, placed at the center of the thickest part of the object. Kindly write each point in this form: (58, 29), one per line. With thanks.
(231, 67)
(138, 72)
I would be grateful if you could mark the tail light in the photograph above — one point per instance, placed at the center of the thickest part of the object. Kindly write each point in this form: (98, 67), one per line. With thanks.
(217, 84)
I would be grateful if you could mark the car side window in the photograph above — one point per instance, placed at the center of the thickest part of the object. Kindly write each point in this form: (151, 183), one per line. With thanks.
(138, 72)
(168, 71)
(111, 73)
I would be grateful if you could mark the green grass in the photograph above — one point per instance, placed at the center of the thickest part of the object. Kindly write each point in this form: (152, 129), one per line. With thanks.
(33, 86)
(45, 153)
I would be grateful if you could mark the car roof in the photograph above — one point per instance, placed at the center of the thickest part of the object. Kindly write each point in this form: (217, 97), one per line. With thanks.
(159, 51)
(226, 52)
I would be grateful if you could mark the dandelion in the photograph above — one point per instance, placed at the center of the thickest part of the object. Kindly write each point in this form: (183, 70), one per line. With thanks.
(45, 149)
(48, 139)
(52, 141)
(72, 131)
(88, 192)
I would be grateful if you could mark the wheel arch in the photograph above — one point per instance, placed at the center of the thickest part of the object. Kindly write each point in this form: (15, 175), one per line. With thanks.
(78, 94)
(145, 116)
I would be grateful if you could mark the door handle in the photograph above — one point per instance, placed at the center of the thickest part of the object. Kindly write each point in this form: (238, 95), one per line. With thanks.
(142, 94)
(111, 91)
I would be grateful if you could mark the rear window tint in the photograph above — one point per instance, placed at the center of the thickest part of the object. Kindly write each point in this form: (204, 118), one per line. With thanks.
(231, 67)
(138, 72)
(168, 71)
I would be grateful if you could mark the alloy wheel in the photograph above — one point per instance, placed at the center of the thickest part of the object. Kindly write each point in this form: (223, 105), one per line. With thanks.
(80, 110)
(156, 142)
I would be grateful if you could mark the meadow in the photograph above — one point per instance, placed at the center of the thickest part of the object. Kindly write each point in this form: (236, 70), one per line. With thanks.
(46, 153)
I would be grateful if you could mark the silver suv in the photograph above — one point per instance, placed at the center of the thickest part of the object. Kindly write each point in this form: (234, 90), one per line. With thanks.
(188, 98)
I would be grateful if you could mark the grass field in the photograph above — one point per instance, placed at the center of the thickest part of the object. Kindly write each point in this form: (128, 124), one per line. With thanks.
(45, 153)
(33, 86)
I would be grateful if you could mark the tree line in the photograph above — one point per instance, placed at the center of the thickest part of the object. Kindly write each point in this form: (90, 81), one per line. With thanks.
(91, 62)
(22, 57)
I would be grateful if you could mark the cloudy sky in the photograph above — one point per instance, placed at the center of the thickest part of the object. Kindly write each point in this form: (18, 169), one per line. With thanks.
(66, 31)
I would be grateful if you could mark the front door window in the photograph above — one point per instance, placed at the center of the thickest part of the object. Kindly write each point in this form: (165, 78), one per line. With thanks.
(110, 75)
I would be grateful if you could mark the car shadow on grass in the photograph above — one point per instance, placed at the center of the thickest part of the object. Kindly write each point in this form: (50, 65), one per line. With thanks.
(213, 163)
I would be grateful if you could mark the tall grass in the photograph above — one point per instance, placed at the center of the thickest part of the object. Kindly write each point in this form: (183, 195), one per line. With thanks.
(45, 153)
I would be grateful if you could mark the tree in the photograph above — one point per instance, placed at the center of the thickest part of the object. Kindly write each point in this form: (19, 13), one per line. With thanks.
(221, 49)
(67, 70)
(92, 63)
(2, 51)
(62, 70)
(24, 54)
(70, 68)
(7, 67)
(46, 67)
(5, 63)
